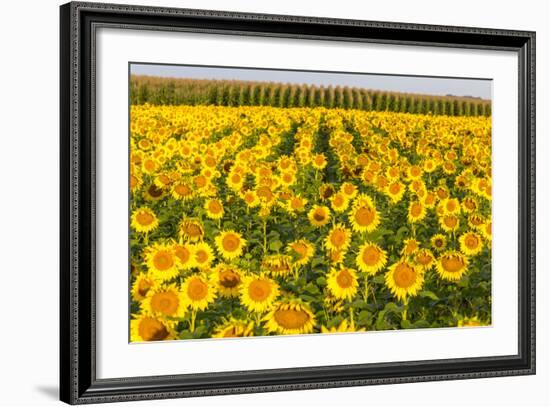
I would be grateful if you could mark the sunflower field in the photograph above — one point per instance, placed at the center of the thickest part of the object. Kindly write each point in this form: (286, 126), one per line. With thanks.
(261, 220)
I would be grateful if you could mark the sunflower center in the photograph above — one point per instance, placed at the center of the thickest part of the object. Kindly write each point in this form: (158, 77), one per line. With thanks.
(344, 279)
(471, 241)
(338, 200)
(265, 193)
(163, 260)
(151, 329)
(452, 264)
(182, 190)
(183, 254)
(423, 258)
(236, 178)
(229, 279)
(201, 256)
(165, 302)
(395, 188)
(197, 289)
(450, 221)
(193, 230)
(200, 181)
(143, 287)
(364, 216)
(338, 237)
(349, 189)
(215, 207)
(154, 191)
(291, 318)
(231, 242)
(451, 206)
(145, 218)
(416, 209)
(371, 255)
(404, 275)
(296, 203)
(319, 216)
(259, 290)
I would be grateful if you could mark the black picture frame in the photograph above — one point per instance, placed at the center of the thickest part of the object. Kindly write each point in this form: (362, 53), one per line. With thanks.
(78, 382)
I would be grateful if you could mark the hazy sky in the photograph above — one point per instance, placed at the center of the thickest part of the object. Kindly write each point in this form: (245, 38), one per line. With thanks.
(397, 83)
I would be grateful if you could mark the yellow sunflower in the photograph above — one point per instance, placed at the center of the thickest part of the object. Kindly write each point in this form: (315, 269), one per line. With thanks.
(449, 223)
(344, 326)
(469, 322)
(278, 265)
(230, 244)
(214, 209)
(228, 280)
(452, 265)
(424, 259)
(296, 204)
(144, 328)
(403, 279)
(141, 286)
(450, 206)
(439, 242)
(191, 230)
(185, 254)
(290, 317)
(417, 212)
(301, 251)
(470, 243)
(349, 190)
(144, 220)
(410, 246)
(364, 217)
(182, 191)
(319, 215)
(258, 293)
(343, 283)
(395, 191)
(338, 238)
(164, 301)
(339, 202)
(250, 198)
(371, 258)
(234, 328)
(162, 261)
(204, 255)
(198, 292)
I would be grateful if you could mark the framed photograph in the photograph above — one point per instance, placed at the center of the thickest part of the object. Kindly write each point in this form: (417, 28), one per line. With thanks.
(255, 203)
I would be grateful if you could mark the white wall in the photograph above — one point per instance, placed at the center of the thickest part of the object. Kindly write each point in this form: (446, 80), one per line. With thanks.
(29, 201)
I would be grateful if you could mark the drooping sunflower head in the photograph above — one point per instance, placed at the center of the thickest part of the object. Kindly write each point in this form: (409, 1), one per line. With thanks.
(145, 328)
(164, 300)
(230, 244)
(234, 328)
(162, 261)
(338, 238)
(191, 230)
(471, 243)
(404, 279)
(228, 279)
(258, 293)
(343, 326)
(319, 215)
(342, 283)
(452, 265)
(301, 251)
(142, 284)
(144, 220)
(278, 265)
(371, 258)
(290, 317)
(198, 291)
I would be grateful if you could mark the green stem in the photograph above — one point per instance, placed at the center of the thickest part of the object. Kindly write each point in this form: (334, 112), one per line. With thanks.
(405, 308)
(193, 318)
(265, 236)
